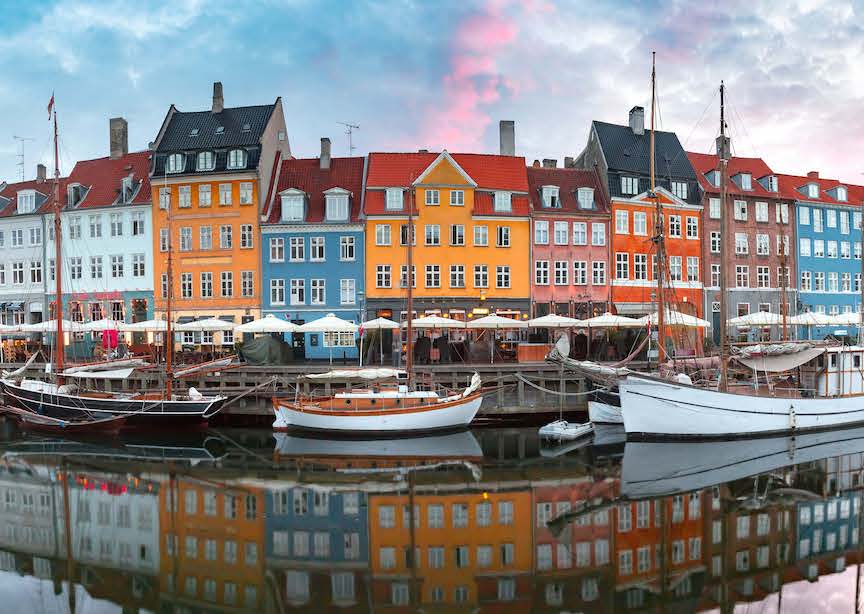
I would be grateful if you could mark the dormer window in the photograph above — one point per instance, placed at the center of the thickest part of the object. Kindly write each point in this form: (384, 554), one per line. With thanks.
(841, 194)
(585, 197)
(336, 200)
(74, 193)
(236, 159)
(220, 130)
(26, 201)
(713, 178)
(246, 128)
(293, 206)
(125, 189)
(394, 199)
(746, 180)
(503, 202)
(206, 161)
(551, 199)
(772, 184)
(679, 189)
(813, 190)
(193, 132)
(176, 163)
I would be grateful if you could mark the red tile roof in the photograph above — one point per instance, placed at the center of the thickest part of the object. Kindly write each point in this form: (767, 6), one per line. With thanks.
(705, 163)
(568, 180)
(102, 177)
(790, 184)
(308, 176)
(489, 171)
(46, 188)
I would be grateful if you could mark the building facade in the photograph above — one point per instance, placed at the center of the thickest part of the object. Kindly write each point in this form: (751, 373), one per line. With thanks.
(570, 247)
(313, 249)
(761, 227)
(209, 171)
(471, 234)
(828, 232)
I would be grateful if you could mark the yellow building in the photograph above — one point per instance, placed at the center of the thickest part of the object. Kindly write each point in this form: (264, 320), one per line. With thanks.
(471, 224)
(210, 173)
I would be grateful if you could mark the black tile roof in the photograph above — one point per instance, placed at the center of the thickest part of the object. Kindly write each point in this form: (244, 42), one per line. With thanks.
(629, 152)
(241, 126)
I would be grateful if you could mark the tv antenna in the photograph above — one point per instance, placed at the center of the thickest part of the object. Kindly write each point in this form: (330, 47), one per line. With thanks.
(21, 141)
(349, 132)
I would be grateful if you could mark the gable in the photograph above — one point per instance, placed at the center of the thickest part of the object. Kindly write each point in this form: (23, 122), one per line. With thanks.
(445, 171)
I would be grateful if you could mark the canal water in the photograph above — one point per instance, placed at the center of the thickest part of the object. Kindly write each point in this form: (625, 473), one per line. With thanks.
(489, 520)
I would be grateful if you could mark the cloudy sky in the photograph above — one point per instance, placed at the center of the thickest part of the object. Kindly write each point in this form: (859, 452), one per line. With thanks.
(416, 74)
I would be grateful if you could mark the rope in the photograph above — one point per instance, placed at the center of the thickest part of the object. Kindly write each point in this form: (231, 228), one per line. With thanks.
(524, 379)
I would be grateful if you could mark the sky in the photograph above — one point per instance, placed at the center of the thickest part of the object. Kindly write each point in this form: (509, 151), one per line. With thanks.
(421, 74)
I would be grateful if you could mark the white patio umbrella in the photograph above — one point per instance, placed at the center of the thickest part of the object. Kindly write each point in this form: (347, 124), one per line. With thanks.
(811, 318)
(378, 324)
(50, 326)
(495, 322)
(553, 321)
(435, 322)
(675, 318)
(98, 326)
(853, 318)
(328, 324)
(206, 325)
(146, 326)
(268, 324)
(758, 318)
(610, 320)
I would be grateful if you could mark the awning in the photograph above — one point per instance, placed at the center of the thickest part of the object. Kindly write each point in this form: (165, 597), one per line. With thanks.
(780, 362)
(639, 309)
(14, 306)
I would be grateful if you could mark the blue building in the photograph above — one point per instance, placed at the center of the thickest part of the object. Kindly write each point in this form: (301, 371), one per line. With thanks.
(312, 256)
(828, 231)
(827, 526)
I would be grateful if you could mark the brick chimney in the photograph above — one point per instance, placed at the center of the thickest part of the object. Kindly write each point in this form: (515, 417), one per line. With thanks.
(536, 164)
(568, 161)
(813, 175)
(637, 120)
(324, 160)
(550, 163)
(507, 137)
(119, 137)
(218, 98)
(41, 173)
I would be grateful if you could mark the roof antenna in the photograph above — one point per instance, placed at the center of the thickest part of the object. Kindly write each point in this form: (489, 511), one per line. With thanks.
(21, 140)
(349, 132)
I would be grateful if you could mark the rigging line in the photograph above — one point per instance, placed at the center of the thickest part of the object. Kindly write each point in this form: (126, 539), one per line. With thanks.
(695, 126)
(743, 127)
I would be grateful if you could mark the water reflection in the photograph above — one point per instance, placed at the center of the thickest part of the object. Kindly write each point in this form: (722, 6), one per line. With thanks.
(490, 520)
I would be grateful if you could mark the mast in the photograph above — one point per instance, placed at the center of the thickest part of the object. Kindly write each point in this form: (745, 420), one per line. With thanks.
(659, 231)
(409, 279)
(58, 262)
(723, 155)
(784, 300)
(169, 330)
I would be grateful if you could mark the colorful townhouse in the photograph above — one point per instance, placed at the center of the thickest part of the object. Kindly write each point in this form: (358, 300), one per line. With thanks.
(313, 248)
(621, 155)
(761, 224)
(471, 234)
(107, 243)
(22, 247)
(317, 546)
(570, 247)
(826, 528)
(471, 548)
(213, 548)
(828, 231)
(209, 171)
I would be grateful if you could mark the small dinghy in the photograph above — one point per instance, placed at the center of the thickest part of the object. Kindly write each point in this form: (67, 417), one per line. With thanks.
(79, 426)
(566, 431)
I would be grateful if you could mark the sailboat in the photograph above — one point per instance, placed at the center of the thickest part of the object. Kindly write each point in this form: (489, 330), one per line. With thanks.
(827, 390)
(386, 408)
(59, 400)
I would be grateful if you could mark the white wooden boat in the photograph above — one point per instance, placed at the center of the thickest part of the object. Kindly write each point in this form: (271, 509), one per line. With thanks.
(566, 431)
(394, 409)
(604, 413)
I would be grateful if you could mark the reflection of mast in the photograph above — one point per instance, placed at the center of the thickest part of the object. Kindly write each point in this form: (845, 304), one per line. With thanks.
(70, 560)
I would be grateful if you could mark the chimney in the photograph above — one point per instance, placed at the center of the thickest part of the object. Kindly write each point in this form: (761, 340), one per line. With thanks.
(568, 162)
(41, 173)
(507, 137)
(536, 164)
(550, 163)
(119, 137)
(324, 160)
(637, 120)
(813, 175)
(218, 99)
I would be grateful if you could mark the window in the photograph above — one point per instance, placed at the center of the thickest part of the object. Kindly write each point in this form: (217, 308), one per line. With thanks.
(457, 198)
(679, 189)
(817, 220)
(675, 272)
(625, 562)
(138, 226)
(403, 276)
(225, 194)
(503, 233)
(298, 291)
(761, 212)
(640, 266)
(598, 273)
(347, 291)
(35, 272)
(818, 248)
(580, 273)
(226, 279)
(481, 236)
(714, 208)
(674, 225)
(585, 196)
(74, 230)
(832, 282)
(433, 276)
(457, 234)
(277, 290)
(541, 232)
(246, 196)
(692, 227)
(277, 249)
(562, 234)
(741, 244)
(502, 202)
(457, 276)
(741, 210)
(206, 161)
(819, 281)
(763, 246)
(18, 237)
(763, 277)
(246, 236)
(318, 292)
(186, 239)
(433, 234)
(433, 198)
(205, 237)
(598, 234)
(621, 222)
(317, 249)
(743, 527)
(137, 265)
(831, 250)
(236, 159)
(622, 265)
(831, 218)
(382, 276)
(692, 268)
(176, 163)
(746, 181)
(742, 276)
(804, 247)
(394, 200)
(715, 242)
(185, 285)
(782, 213)
(293, 209)
(481, 276)
(184, 200)
(629, 185)
(845, 250)
(226, 236)
(562, 268)
(502, 277)
(164, 197)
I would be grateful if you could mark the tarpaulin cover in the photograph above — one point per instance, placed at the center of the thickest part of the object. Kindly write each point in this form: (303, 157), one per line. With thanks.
(780, 362)
(266, 350)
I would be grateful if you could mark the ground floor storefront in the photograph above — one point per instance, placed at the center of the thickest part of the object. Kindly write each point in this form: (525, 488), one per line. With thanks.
(336, 346)
(196, 347)
(744, 301)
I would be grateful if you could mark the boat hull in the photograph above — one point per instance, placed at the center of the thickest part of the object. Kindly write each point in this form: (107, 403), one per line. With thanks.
(657, 409)
(604, 413)
(434, 417)
(138, 411)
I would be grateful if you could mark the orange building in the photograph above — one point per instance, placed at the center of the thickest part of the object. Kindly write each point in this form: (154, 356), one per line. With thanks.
(213, 548)
(463, 543)
(472, 234)
(210, 170)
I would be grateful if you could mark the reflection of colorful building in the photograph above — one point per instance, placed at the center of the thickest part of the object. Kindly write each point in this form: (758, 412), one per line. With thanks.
(317, 545)
(574, 568)
(213, 545)
(469, 548)
(827, 527)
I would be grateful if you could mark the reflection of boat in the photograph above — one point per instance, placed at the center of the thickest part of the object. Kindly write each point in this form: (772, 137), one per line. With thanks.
(604, 413)
(661, 468)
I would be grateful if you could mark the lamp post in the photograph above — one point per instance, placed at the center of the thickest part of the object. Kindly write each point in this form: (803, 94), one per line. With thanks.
(361, 296)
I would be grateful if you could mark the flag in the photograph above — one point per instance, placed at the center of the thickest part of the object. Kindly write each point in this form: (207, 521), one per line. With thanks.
(50, 106)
